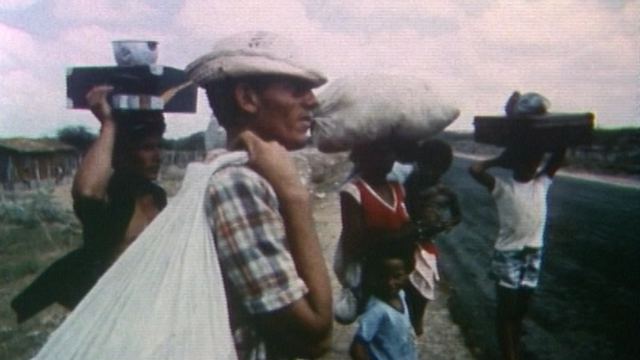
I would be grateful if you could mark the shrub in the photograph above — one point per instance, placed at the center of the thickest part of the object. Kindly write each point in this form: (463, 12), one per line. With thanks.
(32, 210)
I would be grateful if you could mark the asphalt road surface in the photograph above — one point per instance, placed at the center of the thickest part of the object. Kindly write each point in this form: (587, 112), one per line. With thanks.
(587, 305)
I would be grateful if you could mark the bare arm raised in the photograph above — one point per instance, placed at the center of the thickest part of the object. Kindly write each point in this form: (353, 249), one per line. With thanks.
(303, 328)
(478, 170)
(93, 174)
(554, 163)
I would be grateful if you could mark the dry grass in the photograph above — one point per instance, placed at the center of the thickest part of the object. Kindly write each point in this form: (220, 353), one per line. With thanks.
(34, 232)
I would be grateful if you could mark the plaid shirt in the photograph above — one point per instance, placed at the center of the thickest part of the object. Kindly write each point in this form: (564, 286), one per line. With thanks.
(258, 270)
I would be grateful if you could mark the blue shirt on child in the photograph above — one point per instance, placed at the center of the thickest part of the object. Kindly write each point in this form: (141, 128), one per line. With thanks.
(386, 332)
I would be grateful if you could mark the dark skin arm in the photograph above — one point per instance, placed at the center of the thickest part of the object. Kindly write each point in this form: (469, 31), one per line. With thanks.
(93, 174)
(358, 351)
(303, 328)
(554, 163)
(478, 170)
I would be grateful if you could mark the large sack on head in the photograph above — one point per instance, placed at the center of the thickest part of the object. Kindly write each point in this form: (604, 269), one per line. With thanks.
(358, 109)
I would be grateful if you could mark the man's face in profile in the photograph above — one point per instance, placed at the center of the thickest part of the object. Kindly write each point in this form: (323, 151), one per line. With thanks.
(284, 112)
(143, 157)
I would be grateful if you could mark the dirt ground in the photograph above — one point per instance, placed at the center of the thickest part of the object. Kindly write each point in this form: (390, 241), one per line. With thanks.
(442, 339)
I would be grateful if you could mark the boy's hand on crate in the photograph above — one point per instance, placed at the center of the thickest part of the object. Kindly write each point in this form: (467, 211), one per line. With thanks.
(97, 98)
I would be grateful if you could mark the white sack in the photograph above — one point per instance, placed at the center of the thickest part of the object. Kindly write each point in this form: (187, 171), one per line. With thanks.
(164, 298)
(358, 109)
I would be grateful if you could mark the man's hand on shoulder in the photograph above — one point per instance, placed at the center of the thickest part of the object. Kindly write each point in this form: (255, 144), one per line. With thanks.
(271, 160)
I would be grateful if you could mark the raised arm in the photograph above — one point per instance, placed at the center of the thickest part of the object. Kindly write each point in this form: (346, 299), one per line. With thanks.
(93, 174)
(478, 171)
(304, 327)
(554, 163)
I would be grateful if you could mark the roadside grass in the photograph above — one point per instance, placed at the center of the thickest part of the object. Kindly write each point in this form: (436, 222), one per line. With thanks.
(34, 232)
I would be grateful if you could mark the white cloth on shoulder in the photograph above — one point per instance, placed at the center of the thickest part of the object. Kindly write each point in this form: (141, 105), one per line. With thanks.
(164, 298)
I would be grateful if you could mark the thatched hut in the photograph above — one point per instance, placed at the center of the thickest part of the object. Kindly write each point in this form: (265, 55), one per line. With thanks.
(29, 161)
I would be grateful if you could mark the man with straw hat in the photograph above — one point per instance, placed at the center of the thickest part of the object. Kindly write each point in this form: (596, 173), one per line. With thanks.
(276, 279)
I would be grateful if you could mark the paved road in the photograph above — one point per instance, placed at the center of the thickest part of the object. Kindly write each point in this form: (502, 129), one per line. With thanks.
(588, 302)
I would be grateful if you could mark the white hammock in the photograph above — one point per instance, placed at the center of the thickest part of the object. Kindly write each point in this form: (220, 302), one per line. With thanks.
(164, 298)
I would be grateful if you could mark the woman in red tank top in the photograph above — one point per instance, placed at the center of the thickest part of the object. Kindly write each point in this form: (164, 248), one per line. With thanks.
(373, 211)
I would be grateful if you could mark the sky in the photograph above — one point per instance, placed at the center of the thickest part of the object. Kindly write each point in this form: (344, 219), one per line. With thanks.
(583, 55)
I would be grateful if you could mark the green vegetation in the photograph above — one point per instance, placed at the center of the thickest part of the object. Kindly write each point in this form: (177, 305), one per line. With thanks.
(193, 142)
(34, 232)
(29, 211)
(81, 138)
(77, 136)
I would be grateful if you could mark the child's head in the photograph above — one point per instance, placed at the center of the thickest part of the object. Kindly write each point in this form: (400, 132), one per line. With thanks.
(431, 202)
(374, 158)
(434, 158)
(523, 162)
(406, 151)
(387, 269)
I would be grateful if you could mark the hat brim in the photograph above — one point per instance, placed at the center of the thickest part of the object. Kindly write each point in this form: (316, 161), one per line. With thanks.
(203, 71)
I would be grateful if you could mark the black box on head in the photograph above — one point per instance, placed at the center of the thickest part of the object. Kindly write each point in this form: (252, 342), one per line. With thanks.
(545, 132)
(141, 87)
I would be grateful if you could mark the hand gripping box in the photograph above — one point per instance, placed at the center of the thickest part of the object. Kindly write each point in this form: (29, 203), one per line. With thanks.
(140, 87)
(545, 132)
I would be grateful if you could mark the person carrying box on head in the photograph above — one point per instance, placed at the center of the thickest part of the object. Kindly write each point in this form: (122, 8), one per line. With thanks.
(522, 211)
(114, 197)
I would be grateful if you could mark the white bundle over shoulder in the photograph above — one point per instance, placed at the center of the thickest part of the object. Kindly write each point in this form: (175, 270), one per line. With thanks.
(164, 298)
(362, 108)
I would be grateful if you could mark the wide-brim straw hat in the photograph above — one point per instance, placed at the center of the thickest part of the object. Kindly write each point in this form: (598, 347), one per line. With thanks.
(253, 53)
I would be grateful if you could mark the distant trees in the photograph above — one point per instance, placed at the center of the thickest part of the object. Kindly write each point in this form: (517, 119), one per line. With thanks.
(81, 138)
(77, 136)
(193, 142)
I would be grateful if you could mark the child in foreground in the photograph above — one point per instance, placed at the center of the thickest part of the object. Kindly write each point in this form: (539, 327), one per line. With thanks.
(385, 331)
(434, 208)
(521, 202)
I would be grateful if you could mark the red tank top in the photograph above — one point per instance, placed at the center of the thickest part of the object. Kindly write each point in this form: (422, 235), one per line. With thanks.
(378, 214)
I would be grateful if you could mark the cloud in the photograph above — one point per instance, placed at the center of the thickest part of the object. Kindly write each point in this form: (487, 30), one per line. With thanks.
(104, 11)
(582, 54)
(16, 47)
(16, 4)
(208, 21)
